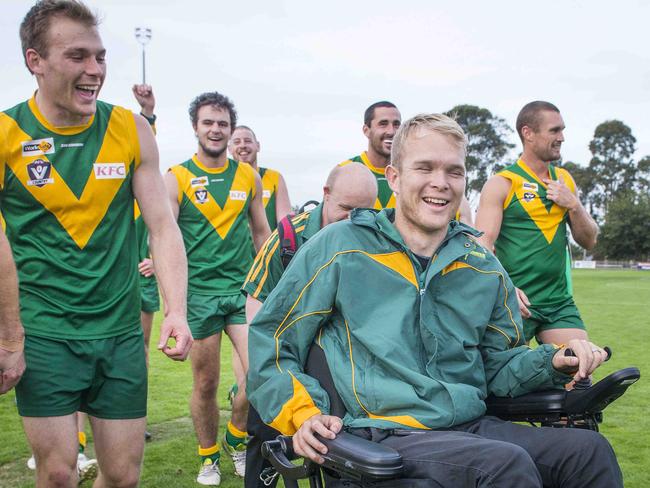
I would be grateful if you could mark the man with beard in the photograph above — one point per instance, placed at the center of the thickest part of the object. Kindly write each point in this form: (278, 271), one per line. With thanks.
(244, 146)
(380, 123)
(523, 213)
(214, 198)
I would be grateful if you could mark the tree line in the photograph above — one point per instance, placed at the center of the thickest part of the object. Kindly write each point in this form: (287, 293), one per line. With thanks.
(614, 187)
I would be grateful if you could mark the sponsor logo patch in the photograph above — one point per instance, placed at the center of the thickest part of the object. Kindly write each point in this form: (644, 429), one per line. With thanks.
(201, 195)
(237, 195)
(528, 196)
(266, 194)
(199, 181)
(109, 171)
(38, 147)
(530, 186)
(39, 173)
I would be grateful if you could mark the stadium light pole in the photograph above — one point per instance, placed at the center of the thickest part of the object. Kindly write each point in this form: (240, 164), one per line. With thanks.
(143, 36)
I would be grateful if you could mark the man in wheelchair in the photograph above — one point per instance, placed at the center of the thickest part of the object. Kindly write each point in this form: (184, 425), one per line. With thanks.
(419, 324)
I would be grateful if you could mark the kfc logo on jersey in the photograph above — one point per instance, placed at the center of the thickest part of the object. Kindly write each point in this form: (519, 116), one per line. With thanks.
(528, 196)
(109, 171)
(39, 173)
(530, 186)
(200, 181)
(237, 195)
(266, 194)
(38, 147)
(201, 195)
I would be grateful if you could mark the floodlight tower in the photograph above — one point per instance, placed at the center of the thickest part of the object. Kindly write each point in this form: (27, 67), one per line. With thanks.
(143, 36)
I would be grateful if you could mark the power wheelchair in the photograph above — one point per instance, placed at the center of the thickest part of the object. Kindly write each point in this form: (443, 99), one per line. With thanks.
(360, 462)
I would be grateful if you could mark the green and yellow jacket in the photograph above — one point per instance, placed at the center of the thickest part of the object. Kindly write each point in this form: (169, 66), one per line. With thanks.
(408, 347)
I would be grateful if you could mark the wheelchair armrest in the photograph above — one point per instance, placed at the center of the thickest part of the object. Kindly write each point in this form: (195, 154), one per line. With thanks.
(601, 394)
(550, 405)
(359, 458)
(347, 454)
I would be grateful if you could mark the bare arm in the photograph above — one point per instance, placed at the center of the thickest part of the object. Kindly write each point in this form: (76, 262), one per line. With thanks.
(490, 210)
(583, 227)
(166, 244)
(12, 361)
(282, 202)
(465, 212)
(260, 229)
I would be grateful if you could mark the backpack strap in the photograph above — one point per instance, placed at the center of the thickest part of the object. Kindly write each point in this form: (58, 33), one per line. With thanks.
(288, 241)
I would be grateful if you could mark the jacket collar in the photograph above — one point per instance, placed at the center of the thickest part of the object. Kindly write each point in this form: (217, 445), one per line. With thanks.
(458, 242)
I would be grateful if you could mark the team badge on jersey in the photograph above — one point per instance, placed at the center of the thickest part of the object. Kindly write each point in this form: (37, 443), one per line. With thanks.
(530, 186)
(199, 181)
(109, 171)
(237, 195)
(39, 173)
(38, 147)
(201, 195)
(529, 196)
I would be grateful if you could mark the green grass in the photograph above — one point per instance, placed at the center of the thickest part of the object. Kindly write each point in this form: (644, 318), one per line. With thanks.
(614, 304)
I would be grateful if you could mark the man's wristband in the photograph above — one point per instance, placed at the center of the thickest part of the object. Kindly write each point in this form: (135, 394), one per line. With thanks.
(12, 345)
(151, 120)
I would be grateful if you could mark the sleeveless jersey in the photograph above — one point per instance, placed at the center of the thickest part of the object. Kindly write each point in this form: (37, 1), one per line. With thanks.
(270, 183)
(213, 219)
(533, 239)
(66, 195)
(385, 196)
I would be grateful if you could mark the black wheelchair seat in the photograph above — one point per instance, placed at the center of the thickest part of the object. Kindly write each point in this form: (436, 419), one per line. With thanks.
(369, 463)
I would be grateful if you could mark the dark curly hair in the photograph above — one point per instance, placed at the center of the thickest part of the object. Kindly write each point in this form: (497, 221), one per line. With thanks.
(216, 100)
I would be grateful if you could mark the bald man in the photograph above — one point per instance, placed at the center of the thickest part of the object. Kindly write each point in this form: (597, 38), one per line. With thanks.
(347, 187)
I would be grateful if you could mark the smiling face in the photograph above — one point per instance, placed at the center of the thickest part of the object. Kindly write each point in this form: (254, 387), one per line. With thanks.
(72, 73)
(546, 142)
(244, 146)
(428, 184)
(382, 129)
(212, 130)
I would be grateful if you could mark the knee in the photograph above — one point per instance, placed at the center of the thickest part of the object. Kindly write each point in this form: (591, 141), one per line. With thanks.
(591, 446)
(61, 476)
(206, 387)
(126, 477)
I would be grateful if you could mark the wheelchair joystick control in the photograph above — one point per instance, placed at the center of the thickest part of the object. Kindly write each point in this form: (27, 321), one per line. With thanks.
(585, 383)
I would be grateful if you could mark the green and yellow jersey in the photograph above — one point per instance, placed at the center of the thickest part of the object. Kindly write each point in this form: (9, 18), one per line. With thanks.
(533, 239)
(270, 184)
(385, 196)
(213, 218)
(66, 196)
(267, 268)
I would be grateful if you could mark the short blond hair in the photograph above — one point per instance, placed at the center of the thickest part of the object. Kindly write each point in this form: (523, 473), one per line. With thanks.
(442, 124)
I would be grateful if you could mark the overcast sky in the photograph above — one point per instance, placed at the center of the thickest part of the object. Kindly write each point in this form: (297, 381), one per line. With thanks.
(301, 73)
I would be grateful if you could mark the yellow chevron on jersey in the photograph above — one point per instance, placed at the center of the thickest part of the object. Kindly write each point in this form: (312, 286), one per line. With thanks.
(221, 219)
(526, 192)
(78, 216)
(270, 183)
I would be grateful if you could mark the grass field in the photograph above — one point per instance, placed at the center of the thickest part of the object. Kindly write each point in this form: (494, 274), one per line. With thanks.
(614, 304)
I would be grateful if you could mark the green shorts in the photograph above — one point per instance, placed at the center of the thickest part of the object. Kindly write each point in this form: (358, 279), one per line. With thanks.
(150, 299)
(208, 315)
(106, 378)
(562, 316)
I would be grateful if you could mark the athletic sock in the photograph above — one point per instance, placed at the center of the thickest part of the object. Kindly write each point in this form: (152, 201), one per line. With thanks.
(235, 437)
(82, 442)
(209, 455)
